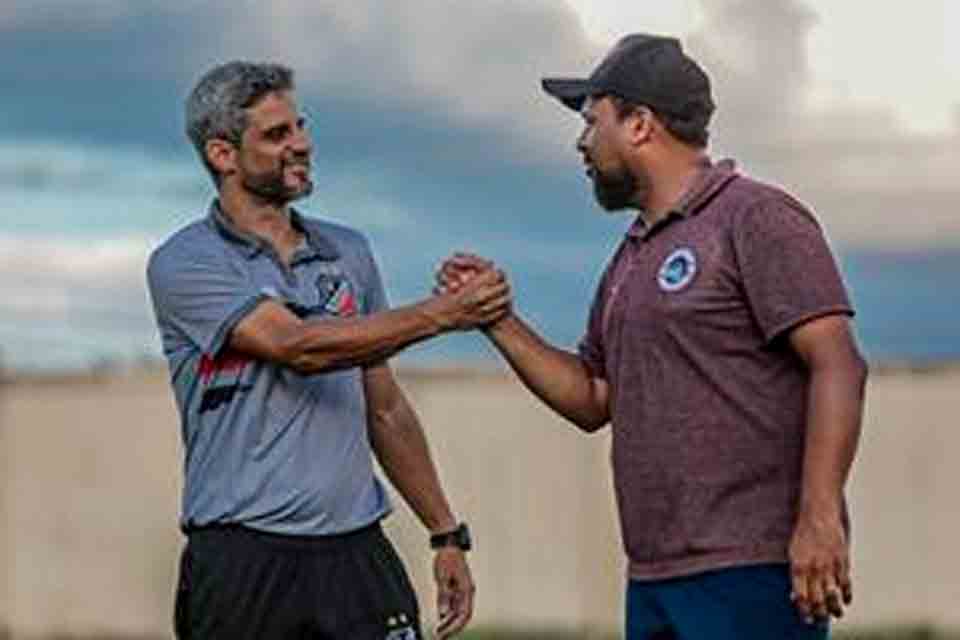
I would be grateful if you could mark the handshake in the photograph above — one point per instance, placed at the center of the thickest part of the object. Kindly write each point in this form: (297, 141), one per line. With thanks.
(470, 293)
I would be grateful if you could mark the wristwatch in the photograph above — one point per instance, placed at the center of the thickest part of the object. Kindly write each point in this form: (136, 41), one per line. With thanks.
(459, 537)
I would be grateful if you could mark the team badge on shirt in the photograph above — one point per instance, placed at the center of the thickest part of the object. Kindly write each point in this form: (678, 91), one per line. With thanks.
(340, 299)
(337, 297)
(678, 270)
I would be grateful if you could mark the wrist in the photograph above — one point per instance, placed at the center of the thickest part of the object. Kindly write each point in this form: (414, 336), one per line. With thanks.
(456, 538)
(821, 508)
(443, 525)
(500, 328)
(433, 311)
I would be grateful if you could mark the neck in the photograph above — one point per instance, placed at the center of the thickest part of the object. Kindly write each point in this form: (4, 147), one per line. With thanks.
(267, 220)
(256, 216)
(670, 180)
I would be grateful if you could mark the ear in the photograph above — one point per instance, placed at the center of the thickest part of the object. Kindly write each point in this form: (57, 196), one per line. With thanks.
(221, 155)
(641, 125)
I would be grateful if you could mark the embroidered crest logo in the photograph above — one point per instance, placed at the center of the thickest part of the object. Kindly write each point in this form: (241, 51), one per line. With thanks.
(336, 296)
(678, 270)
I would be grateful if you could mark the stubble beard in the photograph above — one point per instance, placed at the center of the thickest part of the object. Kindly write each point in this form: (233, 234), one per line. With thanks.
(271, 187)
(620, 189)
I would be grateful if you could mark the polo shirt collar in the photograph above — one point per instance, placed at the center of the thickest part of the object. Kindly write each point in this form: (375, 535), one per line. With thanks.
(251, 245)
(711, 181)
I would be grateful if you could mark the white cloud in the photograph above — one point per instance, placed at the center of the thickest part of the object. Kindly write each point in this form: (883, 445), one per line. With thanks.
(69, 300)
(468, 67)
(71, 272)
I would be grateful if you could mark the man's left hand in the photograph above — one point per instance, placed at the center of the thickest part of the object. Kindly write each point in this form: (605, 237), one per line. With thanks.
(820, 567)
(455, 590)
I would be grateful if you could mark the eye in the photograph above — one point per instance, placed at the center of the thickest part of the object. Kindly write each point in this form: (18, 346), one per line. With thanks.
(276, 134)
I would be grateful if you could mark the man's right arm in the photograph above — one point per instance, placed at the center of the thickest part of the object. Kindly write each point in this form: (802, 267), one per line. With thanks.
(272, 332)
(562, 380)
(559, 378)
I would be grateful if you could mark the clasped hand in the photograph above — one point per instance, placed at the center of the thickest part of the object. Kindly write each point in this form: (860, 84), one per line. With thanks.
(474, 293)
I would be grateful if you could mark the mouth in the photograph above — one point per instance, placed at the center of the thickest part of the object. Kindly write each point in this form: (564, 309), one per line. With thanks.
(300, 169)
(588, 167)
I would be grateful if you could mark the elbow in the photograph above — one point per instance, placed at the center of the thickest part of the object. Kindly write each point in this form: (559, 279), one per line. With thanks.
(591, 425)
(590, 422)
(592, 412)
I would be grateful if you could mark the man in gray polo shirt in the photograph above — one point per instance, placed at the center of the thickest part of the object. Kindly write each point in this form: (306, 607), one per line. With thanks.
(277, 332)
(719, 350)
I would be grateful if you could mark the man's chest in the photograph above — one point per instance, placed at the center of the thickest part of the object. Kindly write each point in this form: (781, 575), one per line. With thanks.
(311, 287)
(683, 279)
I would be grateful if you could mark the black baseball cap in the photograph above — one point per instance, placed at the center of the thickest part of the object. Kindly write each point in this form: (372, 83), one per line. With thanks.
(644, 69)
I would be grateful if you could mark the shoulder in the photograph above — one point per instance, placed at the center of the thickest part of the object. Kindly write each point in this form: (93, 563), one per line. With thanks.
(757, 203)
(195, 243)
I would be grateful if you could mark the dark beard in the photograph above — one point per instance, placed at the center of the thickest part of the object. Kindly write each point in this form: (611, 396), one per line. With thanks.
(621, 189)
(270, 187)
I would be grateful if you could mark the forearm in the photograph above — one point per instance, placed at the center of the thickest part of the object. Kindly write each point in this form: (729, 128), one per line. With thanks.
(402, 450)
(559, 378)
(834, 414)
(337, 343)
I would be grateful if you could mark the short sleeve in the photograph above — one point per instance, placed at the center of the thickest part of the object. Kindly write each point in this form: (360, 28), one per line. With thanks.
(591, 348)
(201, 295)
(789, 273)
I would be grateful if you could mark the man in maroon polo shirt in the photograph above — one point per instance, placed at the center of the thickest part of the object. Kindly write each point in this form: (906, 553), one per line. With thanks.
(719, 349)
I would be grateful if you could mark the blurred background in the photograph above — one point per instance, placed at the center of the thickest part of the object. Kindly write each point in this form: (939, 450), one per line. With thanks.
(432, 135)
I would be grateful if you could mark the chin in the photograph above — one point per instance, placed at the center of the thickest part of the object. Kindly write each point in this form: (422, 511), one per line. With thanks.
(301, 192)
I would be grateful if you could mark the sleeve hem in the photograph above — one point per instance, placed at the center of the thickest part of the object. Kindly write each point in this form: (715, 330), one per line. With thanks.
(232, 320)
(785, 327)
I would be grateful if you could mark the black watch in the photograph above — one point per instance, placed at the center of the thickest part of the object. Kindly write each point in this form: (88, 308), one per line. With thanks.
(459, 537)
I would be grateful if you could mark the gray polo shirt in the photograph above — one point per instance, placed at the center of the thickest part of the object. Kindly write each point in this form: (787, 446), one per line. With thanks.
(265, 446)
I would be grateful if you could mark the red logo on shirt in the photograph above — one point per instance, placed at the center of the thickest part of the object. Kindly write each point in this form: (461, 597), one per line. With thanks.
(338, 297)
(227, 362)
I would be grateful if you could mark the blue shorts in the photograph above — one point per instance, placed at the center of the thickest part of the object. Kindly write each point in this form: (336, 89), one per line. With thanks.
(743, 603)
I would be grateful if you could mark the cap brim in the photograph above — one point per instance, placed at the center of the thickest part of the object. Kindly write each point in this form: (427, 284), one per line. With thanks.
(572, 92)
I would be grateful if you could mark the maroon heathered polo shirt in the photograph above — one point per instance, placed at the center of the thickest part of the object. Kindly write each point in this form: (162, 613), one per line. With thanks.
(688, 327)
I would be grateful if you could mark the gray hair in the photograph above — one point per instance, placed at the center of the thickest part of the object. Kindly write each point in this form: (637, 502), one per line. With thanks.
(216, 108)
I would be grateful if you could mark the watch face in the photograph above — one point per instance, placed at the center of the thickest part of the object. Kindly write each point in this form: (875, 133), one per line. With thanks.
(463, 537)
(459, 537)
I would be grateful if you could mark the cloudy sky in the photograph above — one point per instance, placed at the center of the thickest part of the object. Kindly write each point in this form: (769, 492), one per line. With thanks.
(431, 134)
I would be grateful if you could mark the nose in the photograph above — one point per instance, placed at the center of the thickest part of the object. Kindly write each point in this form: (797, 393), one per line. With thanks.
(581, 142)
(302, 142)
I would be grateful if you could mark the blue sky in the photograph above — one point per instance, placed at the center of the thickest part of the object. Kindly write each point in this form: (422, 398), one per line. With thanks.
(431, 134)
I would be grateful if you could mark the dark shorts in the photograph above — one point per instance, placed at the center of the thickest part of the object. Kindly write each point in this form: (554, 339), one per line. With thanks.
(237, 583)
(744, 603)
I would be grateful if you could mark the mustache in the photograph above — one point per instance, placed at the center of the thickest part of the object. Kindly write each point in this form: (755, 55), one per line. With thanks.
(298, 162)
(298, 158)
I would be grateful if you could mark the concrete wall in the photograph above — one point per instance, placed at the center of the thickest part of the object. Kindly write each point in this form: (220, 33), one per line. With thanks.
(89, 484)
